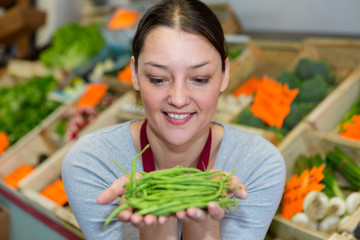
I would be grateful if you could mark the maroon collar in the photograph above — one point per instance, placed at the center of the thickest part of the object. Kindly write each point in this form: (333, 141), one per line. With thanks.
(148, 158)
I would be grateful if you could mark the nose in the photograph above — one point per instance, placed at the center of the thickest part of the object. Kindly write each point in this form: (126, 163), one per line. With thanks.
(178, 95)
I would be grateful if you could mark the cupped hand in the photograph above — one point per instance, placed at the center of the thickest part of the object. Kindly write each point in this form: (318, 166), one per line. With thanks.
(213, 210)
(127, 215)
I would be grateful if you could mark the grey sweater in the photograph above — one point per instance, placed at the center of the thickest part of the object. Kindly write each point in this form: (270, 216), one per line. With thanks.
(89, 168)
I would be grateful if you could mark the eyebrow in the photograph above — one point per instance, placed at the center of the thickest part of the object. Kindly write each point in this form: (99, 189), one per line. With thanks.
(165, 67)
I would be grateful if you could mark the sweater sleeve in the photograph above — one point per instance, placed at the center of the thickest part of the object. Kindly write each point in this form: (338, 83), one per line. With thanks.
(261, 168)
(87, 170)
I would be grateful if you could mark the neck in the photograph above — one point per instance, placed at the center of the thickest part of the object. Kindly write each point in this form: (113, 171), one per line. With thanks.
(167, 155)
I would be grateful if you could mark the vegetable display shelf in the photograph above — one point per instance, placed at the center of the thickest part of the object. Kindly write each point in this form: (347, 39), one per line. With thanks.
(303, 141)
(327, 117)
(262, 58)
(32, 150)
(242, 59)
(50, 170)
(342, 54)
(38, 213)
(32, 145)
(342, 57)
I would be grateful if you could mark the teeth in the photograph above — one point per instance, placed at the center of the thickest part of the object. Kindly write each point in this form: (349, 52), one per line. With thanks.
(178, 116)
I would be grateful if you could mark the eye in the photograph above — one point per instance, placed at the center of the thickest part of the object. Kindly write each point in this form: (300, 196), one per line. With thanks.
(156, 81)
(201, 81)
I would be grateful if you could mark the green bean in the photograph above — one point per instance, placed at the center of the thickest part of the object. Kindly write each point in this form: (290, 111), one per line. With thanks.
(115, 213)
(166, 191)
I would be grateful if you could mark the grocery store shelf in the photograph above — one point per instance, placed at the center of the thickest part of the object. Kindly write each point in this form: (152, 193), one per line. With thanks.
(33, 223)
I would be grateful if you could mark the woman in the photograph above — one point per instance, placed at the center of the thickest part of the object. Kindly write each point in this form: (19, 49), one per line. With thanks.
(179, 67)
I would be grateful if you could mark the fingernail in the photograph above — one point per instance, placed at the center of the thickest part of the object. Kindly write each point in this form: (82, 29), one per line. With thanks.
(240, 193)
(198, 214)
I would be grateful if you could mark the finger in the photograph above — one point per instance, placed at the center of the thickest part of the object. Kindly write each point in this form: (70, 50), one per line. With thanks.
(125, 215)
(182, 215)
(150, 219)
(241, 191)
(163, 219)
(215, 211)
(115, 190)
(137, 220)
(196, 214)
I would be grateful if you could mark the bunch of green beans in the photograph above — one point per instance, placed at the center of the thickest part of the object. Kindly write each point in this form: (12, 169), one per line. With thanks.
(164, 192)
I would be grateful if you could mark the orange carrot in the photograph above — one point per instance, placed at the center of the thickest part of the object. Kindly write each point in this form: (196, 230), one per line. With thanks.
(4, 142)
(248, 88)
(352, 130)
(55, 192)
(17, 175)
(123, 18)
(272, 101)
(125, 74)
(92, 96)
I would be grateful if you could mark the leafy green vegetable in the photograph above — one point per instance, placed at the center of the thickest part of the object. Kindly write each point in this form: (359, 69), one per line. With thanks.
(314, 80)
(307, 69)
(340, 161)
(314, 89)
(298, 111)
(234, 52)
(331, 186)
(72, 45)
(289, 78)
(246, 117)
(354, 110)
(24, 106)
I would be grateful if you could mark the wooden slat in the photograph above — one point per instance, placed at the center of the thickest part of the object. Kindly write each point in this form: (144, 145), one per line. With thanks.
(330, 111)
(24, 20)
(7, 3)
(303, 140)
(343, 236)
(287, 230)
(352, 226)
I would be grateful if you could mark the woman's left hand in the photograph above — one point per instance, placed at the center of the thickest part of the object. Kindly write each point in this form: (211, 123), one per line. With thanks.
(213, 209)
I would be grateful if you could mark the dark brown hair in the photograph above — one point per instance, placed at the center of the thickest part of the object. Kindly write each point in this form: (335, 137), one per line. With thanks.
(191, 16)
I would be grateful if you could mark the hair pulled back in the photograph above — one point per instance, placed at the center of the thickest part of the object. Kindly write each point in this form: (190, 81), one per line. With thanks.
(192, 16)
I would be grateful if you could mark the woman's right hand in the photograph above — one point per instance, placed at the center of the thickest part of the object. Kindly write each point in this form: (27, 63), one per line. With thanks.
(117, 190)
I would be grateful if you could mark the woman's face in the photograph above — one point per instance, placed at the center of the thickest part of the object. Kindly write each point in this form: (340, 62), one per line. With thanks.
(180, 78)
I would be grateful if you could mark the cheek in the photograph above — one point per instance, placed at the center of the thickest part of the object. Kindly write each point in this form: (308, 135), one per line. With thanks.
(151, 100)
(208, 100)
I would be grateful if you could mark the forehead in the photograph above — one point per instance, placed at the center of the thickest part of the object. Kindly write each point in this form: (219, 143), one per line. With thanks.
(164, 42)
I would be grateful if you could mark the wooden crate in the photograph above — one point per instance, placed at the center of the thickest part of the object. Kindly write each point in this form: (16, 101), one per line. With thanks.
(29, 147)
(50, 170)
(261, 58)
(274, 56)
(326, 117)
(44, 175)
(343, 55)
(352, 226)
(42, 141)
(243, 65)
(229, 21)
(343, 236)
(337, 52)
(303, 141)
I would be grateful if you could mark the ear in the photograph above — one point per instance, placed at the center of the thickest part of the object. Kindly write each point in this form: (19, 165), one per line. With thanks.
(134, 79)
(225, 76)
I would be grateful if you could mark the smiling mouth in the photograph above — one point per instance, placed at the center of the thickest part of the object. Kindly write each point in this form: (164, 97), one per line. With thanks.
(178, 116)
